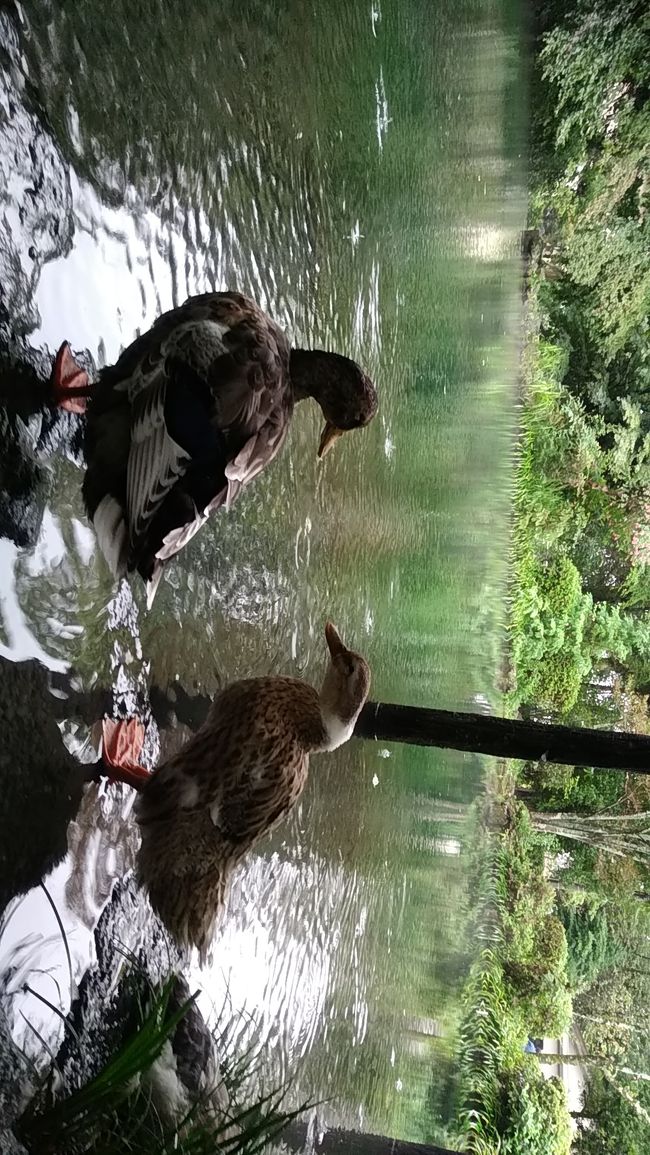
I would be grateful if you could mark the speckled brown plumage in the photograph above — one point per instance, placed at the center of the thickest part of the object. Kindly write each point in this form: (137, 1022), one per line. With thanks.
(192, 412)
(241, 773)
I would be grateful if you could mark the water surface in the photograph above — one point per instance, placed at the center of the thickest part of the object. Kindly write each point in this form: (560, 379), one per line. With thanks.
(353, 167)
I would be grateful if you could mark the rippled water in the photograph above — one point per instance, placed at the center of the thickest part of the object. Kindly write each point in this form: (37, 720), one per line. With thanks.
(354, 167)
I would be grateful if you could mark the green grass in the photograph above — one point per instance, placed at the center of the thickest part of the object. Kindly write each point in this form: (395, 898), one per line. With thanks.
(116, 1112)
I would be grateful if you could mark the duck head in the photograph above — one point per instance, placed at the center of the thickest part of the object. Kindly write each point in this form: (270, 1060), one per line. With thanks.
(344, 392)
(344, 690)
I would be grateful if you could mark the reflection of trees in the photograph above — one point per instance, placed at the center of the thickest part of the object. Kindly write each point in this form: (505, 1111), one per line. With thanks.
(41, 783)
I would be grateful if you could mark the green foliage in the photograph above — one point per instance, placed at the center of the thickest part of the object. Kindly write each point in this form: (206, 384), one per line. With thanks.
(517, 987)
(592, 948)
(549, 655)
(538, 982)
(114, 1113)
(480, 1051)
(577, 495)
(594, 115)
(578, 789)
(584, 476)
(534, 1115)
(585, 59)
(535, 949)
(613, 1127)
(548, 1010)
(551, 943)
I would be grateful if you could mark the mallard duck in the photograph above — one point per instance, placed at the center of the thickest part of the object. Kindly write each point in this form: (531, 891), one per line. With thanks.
(202, 810)
(191, 412)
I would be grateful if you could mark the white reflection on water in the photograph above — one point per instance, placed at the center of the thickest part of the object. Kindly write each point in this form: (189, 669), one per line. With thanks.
(269, 976)
(118, 276)
(127, 265)
(21, 643)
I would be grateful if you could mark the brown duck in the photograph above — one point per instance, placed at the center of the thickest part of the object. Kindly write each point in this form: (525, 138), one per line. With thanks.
(191, 412)
(201, 811)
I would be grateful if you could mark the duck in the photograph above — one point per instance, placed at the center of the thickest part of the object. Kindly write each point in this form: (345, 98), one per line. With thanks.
(204, 808)
(191, 412)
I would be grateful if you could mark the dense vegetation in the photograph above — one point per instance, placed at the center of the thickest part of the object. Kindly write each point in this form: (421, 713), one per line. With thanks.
(560, 898)
(518, 988)
(581, 612)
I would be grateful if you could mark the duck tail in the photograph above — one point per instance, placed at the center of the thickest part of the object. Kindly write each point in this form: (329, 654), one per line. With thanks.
(188, 898)
(190, 905)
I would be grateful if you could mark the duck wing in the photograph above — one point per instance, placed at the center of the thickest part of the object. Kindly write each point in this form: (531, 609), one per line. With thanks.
(266, 771)
(210, 401)
(246, 766)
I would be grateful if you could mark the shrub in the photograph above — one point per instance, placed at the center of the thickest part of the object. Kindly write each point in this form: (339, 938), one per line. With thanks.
(592, 949)
(579, 789)
(534, 1115)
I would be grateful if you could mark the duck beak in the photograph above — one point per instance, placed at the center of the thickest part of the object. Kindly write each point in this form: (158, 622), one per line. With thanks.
(330, 434)
(334, 643)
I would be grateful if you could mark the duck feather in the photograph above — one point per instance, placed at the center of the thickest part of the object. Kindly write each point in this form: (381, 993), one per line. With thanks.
(209, 400)
(192, 411)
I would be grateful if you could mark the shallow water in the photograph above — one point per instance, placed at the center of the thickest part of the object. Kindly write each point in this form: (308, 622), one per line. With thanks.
(355, 168)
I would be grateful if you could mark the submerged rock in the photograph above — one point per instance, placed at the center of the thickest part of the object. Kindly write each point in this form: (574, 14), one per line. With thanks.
(24, 484)
(31, 432)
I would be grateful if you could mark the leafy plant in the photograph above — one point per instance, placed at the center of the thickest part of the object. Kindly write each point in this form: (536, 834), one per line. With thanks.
(592, 948)
(115, 1113)
(534, 1116)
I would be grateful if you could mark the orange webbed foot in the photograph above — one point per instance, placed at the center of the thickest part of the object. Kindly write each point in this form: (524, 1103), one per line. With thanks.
(70, 384)
(122, 743)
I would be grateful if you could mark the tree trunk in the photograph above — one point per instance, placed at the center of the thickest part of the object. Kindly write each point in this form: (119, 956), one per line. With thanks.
(419, 726)
(504, 738)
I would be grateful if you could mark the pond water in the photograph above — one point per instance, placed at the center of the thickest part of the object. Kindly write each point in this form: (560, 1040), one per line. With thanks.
(355, 167)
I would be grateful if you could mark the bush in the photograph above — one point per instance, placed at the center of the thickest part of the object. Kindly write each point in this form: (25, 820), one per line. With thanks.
(542, 996)
(549, 655)
(551, 944)
(580, 789)
(550, 1009)
(592, 949)
(534, 1116)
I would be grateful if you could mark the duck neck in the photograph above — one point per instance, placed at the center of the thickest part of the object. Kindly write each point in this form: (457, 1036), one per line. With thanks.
(336, 730)
(311, 373)
(338, 716)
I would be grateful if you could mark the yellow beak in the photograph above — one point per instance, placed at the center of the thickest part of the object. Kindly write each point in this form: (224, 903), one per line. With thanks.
(330, 434)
